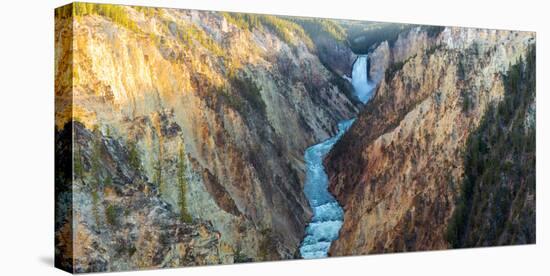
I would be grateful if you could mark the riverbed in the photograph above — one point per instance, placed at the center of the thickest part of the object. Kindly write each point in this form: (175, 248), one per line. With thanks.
(328, 215)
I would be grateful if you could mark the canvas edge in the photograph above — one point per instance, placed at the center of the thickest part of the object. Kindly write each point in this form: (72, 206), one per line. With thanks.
(64, 228)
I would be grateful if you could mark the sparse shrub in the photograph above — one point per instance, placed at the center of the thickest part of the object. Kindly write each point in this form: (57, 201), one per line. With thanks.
(321, 27)
(430, 51)
(77, 163)
(267, 244)
(466, 102)
(243, 21)
(108, 182)
(147, 11)
(433, 31)
(157, 176)
(111, 214)
(242, 93)
(96, 160)
(182, 185)
(250, 91)
(284, 28)
(95, 202)
(133, 156)
(131, 251)
(116, 13)
(461, 71)
(191, 33)
(395, 67)
(65, 12)
(240, 257)
(232, 100)
(363, 37)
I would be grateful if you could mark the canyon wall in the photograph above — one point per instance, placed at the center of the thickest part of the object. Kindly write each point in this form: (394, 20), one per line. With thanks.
(398, 171)
(189, 131)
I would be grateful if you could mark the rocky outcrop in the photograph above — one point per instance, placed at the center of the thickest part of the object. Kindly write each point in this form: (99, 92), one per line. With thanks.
(408, 44)
(397, 171)
(206, 122)
(120, 221)
(336, 55)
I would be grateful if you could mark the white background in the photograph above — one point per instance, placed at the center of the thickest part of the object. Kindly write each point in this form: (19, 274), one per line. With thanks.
(26, 133)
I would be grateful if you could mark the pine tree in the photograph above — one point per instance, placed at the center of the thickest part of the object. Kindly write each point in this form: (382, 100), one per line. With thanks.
(133, 156)
(182, 185)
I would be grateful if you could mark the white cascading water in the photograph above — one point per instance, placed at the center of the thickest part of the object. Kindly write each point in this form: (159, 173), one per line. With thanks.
(328, 216)
(359, 79)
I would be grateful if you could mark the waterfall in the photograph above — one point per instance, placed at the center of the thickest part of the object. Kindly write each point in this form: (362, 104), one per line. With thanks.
(359, 79)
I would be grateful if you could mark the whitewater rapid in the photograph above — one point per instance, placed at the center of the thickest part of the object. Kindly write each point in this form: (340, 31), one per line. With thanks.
(328, 215)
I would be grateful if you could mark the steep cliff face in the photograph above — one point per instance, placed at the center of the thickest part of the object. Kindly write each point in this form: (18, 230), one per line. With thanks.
(120, 221)
(397, 172)
(408, 44)
(213, 119)
(496, 205)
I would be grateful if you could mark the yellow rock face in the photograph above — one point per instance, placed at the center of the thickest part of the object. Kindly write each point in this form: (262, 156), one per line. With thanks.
(243, 103)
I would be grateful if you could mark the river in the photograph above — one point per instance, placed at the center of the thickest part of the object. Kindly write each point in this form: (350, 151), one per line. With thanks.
(328, 215)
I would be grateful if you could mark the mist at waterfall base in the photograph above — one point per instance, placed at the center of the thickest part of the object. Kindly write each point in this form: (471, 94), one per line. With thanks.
(328, 216)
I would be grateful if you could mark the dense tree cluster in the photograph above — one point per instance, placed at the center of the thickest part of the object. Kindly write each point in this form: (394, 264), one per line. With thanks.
(117, 13)
(363, 36)
(493, 207)
(289, 31)
(321, 27)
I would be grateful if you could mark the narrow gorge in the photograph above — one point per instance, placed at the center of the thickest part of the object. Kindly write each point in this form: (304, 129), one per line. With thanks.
(327, 213)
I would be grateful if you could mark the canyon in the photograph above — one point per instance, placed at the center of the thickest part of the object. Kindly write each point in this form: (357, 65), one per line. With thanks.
(189, 137)
(327, 213)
